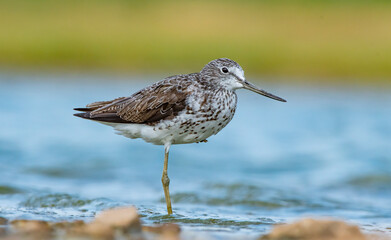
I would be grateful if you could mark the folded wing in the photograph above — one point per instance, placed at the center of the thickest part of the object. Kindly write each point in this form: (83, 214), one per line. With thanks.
(162, 100)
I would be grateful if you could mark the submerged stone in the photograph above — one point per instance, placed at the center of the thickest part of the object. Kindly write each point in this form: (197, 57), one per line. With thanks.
(110, 224)
(31, 226)
(67, 225)
(3, 221)
(169, 231)
(125, 218)
(159, 229)
(92, 230)
(30, 229)
(312, 229)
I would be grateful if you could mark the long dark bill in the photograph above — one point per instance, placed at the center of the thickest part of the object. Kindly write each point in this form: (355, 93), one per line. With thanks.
(252, 87)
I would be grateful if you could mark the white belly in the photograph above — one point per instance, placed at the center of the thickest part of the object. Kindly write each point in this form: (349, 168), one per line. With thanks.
(179, 131)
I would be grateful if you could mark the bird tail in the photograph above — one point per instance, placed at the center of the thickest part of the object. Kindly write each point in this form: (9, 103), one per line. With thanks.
(85, 115)
(83, 109)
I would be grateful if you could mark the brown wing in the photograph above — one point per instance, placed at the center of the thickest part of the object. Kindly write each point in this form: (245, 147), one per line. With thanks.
(95, 105)
(162, 100)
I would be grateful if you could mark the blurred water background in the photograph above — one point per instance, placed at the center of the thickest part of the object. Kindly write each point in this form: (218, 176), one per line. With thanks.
(327, 152)
(324, 153)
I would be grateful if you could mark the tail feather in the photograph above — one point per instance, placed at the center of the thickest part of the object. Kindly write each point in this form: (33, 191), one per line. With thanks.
(104, 117)
(83, 109)
(85, 115)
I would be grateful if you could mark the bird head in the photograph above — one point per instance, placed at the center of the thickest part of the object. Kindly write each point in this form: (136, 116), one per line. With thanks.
(229, 74)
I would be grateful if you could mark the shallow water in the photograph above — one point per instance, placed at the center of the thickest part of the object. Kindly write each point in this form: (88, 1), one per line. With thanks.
(327, 152)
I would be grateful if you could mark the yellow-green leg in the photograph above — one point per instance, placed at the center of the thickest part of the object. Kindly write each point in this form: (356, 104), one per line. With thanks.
(166, 180)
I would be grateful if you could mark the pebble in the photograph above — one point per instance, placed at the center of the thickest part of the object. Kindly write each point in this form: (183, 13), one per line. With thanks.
(3, 221)
(168, 231)
(124, 223)
(30, 226)
(125, 218)
(314, 229)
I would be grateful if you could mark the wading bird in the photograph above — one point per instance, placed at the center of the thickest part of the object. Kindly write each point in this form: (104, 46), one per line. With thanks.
(178, 109)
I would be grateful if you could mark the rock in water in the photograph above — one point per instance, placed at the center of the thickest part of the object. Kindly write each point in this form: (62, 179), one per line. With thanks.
(312, 229)
(125, 218)
(30, 229)
(31, 226)
(119, 221)
(3, 221)
(168, 231)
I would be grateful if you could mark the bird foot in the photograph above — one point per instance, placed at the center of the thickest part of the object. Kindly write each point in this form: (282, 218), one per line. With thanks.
(205, 141)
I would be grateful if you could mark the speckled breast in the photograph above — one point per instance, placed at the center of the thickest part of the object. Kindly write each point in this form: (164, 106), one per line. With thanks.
(204, 116)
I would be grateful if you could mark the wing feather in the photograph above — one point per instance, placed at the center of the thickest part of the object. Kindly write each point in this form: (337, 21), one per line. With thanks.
(162, 100)
(100, 104)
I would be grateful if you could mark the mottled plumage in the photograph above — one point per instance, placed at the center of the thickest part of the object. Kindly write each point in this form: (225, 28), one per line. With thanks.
(178, 109)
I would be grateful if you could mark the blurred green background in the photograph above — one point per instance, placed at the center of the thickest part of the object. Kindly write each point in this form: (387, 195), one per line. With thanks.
(313, 40)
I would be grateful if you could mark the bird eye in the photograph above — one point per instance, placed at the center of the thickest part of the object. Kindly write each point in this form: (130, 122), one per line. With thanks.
(224, 70)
